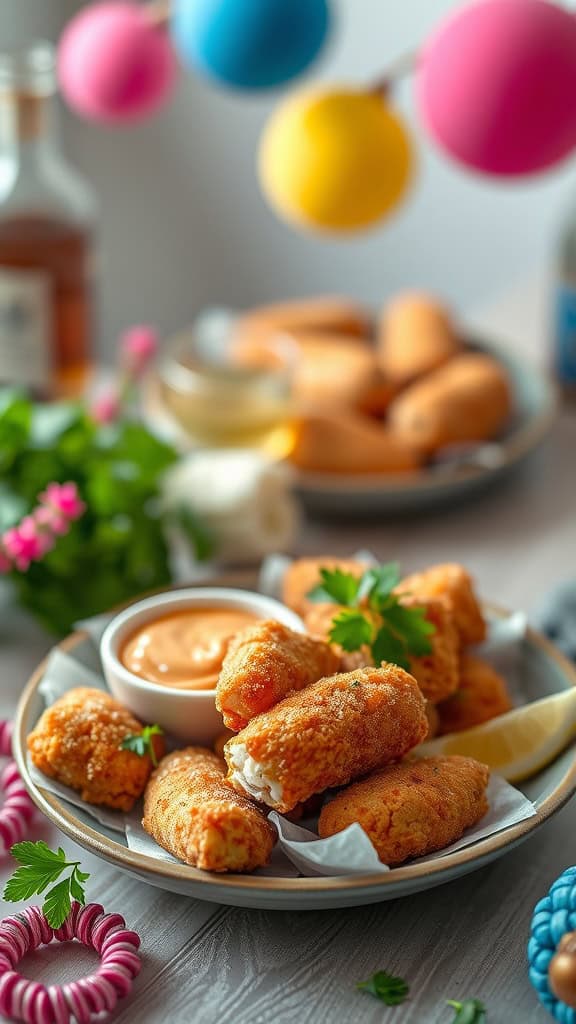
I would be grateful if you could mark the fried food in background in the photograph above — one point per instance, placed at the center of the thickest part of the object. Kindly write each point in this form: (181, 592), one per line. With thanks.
(191, 811)
(347, 442)
(303, 574)
(416, 336)
(433, 720)
(77, 741)
(221, 741)
(336, 371)
(482, 694)
(264, 663)
(330, 313)
(468, 400)
(409, 810)
(451, 582)
(331, 732)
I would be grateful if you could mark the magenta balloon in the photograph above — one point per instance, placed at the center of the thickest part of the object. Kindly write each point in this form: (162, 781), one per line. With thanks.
(496, 86)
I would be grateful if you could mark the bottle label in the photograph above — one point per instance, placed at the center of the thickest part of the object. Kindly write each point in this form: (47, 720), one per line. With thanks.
(24, 327)
(565, 354)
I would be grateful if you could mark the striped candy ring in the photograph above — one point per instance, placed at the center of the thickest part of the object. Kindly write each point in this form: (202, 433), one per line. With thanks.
(17, 807)
(29, 1001)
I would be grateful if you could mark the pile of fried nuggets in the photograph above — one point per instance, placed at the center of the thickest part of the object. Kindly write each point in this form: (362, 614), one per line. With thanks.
(305, 719)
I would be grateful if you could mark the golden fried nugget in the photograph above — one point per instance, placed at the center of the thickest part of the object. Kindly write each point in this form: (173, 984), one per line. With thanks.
(482, 695)
(191, 811)
(304, 574)
(411, 809)
(331, 732)
(468, 400)
(335, 371)
(455, 585)
(416, 336)
(325, 313)
(265, 663)
(352, 443)
(221, 741)
(77, 742)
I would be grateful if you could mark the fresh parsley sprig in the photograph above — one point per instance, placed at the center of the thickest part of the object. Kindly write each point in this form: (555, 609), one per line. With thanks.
(385, 987)
(373, 615)
(40, 866)
(142, 743)
(471, 1011)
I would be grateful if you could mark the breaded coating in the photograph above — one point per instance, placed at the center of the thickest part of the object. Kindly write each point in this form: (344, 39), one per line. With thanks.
(482, 695)
(77, 742)
(412, 809)
(191, 811)
(304, 574)
(437, 673)
(333, 731)
(416, 335)
(265, 663)
(455, 585)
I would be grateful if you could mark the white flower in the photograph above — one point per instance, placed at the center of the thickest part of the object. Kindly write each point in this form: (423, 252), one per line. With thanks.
(243, 498)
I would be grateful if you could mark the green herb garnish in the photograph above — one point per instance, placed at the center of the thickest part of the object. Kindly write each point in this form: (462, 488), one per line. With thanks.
(471, 1011)
(141, 743)
(374, 616)
(40, 867)
(386, 988)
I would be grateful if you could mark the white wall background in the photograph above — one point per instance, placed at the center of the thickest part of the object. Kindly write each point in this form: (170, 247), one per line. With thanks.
(183, 223)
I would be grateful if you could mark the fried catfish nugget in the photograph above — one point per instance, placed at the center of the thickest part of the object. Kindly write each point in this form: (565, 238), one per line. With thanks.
(412, 809)
(77, 742)
(265, 663)
(331, 732)
(304, 574)
(191, 811)
(451, 582)
(482, 695)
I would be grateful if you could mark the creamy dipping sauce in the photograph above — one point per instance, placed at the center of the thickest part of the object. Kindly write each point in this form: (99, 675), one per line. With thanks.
(184, 649)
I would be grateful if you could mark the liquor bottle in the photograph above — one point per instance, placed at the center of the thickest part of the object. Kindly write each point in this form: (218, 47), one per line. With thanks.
(564, 353)
(47, 216)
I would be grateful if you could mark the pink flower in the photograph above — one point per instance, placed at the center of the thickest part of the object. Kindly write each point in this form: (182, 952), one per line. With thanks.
(106, 409)
(138, 346)
(63, 499)
(26, 543)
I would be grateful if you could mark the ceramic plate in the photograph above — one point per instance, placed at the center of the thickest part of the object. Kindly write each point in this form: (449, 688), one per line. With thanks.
(543, 671)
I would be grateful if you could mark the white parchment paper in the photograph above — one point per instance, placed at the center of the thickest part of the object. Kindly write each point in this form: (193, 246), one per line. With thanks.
(299, 850)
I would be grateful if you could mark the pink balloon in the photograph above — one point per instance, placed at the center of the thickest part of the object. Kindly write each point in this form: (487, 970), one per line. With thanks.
(496, 85)
(114, 65)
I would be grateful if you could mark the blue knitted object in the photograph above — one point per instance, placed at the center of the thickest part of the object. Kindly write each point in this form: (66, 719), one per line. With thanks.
(552, 918)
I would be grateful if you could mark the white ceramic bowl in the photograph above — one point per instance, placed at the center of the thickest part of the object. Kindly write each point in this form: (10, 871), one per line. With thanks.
(189, 715)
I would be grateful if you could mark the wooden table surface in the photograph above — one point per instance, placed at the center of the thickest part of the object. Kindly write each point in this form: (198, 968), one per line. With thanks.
(217, 964)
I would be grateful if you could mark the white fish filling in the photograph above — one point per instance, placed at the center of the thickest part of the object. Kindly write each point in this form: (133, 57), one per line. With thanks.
(251, 775)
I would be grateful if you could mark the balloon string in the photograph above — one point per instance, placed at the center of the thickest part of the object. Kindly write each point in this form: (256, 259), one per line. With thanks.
(399, 68)
(159, 11)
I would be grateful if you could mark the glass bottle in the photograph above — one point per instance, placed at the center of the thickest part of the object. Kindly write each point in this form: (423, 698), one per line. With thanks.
(47, 215)
(564, 353)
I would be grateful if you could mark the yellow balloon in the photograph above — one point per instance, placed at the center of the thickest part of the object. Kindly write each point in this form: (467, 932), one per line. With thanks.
(336, 159)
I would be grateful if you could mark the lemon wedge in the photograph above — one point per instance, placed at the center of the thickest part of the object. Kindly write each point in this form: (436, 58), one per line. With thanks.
(519, 743)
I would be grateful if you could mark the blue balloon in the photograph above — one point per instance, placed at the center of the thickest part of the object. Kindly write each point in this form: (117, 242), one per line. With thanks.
(250, 44)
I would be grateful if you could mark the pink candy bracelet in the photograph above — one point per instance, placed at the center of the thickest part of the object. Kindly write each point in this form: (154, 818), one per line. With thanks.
(17, 809)
(34, 1003)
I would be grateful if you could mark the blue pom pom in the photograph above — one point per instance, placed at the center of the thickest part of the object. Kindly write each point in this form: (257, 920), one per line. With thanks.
(553, 916)
(250, 44)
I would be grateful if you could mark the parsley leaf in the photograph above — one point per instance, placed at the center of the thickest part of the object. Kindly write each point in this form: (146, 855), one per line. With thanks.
(351, 629)
(412, 625)
(40, 866)
(142, 743)
(387, 646)
(337, 587)
(390, 990)
(378, 582)
(471, 1011)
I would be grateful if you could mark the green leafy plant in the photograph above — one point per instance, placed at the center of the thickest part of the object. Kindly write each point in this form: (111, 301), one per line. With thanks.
(471, 1011)
(388, 989)
(40, 866)
(118, 548)
(142, 743)
(374, 615)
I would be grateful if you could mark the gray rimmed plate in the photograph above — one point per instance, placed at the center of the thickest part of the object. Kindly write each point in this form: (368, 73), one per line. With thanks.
(543, 671)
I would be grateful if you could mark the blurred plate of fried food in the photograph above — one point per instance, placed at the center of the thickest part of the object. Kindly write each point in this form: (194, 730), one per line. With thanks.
(401, 411)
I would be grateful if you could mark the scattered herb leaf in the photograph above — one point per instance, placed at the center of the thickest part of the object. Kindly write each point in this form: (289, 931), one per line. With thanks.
(351, 629)
(471, 1011)
(337, 586)
(390, 990)
(142, 743)
(40, 866)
